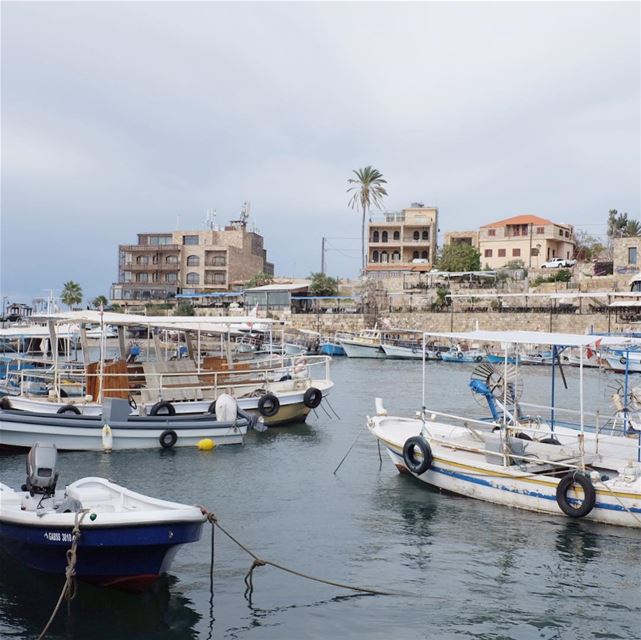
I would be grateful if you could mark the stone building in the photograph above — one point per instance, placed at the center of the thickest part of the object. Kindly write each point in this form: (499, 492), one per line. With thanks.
(626, 254)
(162, 265)
(528, 238)
(404, 241)
(462, 237)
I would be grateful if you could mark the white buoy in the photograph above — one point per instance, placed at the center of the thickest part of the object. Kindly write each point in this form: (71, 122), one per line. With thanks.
(107, 438)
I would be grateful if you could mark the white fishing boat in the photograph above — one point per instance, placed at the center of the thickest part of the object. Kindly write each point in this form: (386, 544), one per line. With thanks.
(281, 389)
(459, 354)
(518, 459)
(366, 344)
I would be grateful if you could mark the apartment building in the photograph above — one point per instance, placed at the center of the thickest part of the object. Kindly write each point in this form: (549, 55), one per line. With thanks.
(462, 237)
(528, 238)
(404, 241)
(162, 265)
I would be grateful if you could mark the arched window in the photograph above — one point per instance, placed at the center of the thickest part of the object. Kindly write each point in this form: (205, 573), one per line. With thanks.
(397, 235)
(417, 235)
(384, 256)
(415, 255)
(384, 236)
(193, 261)
(375, 236)
(142, 260)
(171, 259)
(193, 278)
(396, 256)
(424, 255)
(425, 234)
(375, 256)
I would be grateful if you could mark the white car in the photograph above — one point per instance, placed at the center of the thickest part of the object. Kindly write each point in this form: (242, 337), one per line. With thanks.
(557, 263)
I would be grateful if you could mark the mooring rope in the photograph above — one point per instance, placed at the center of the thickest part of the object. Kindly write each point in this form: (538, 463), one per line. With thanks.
(358, 435)
(259, 562)
(69, 587)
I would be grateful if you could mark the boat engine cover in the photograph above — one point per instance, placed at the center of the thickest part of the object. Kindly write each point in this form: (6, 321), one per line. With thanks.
(226, 408)
(42, 474)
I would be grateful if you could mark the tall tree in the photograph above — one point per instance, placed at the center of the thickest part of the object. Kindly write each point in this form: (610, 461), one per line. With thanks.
(459, 257)
(616, 223)
(99, 301)
(367, 189)
(71, 293)
(322, 285)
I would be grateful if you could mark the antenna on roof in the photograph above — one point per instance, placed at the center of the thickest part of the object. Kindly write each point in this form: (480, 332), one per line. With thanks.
(244, 215)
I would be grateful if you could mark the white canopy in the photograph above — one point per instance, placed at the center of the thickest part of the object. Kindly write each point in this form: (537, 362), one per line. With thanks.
(538, 338)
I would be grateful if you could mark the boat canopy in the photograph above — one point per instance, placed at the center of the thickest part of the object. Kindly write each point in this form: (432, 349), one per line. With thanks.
(537, 338)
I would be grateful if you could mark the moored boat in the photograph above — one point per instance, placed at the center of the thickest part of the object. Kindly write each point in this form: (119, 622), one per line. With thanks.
(127, 540)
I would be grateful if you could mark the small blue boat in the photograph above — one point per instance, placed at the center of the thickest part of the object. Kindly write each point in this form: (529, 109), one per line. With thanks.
(496, 358)
(332, 349)
(127, 539)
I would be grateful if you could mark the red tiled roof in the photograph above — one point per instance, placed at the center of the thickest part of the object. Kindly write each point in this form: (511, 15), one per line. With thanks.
(522, 219)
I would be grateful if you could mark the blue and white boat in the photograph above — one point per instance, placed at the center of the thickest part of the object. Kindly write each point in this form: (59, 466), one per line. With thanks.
(127, 539)
(535, 462)
(329, 348)
(456, 354)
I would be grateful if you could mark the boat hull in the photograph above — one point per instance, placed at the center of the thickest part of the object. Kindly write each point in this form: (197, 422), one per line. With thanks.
(332, 349)
(359, 350)
(130, 558)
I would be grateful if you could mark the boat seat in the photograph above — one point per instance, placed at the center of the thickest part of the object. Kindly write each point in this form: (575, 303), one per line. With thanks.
(91, 495)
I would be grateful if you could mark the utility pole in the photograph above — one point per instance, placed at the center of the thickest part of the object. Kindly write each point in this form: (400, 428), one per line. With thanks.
(323, 255)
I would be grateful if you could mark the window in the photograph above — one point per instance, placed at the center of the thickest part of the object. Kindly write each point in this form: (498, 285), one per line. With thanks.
(384, 236)
(171, 259)
(375, 236)
(567, 234)
(397, 235)
(516, 253)
(491, 232)
(424, 255)
(540, 230)
(561, 232)
(416, 235)
(396, 256)
(415, 255)
(193, 278)
(425, 235)
(501, 253)
(142, 277)
(193, 261)
(142, 260)
(384, 257)
(126, 276)
(158, 240)
(190, 240)
(488, 253)
(632, 255)
(375, 256)
(534, 251)
(214, 278)
(171, 278)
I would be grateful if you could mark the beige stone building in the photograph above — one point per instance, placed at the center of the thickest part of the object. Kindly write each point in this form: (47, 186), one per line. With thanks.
(403, 241)
(528, 238)
(626, 254)
(162, 265)
(462, 237)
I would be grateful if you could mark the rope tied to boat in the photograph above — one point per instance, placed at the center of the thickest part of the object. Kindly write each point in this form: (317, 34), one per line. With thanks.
(260, 562)
(69, 587)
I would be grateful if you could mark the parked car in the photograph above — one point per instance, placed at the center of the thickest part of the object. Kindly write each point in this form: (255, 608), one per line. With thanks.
(557, 263)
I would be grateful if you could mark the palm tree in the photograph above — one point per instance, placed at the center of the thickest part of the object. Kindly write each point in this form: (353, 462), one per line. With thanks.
(368, 189)
(100, 301)
(71, 293)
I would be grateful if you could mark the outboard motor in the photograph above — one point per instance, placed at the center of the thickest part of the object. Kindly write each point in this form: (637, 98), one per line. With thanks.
(42, 474)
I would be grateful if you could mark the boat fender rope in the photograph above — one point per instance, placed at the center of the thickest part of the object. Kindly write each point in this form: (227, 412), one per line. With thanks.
(260, 562)
(69, 587)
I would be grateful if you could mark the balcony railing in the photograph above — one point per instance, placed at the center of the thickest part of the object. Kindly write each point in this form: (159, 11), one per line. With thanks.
(151, 267)
(150, 248)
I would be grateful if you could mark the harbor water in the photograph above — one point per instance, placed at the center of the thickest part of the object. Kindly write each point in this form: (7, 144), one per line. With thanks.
(461, 568)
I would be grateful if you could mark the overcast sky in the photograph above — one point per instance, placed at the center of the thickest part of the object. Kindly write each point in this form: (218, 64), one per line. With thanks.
(119, 117)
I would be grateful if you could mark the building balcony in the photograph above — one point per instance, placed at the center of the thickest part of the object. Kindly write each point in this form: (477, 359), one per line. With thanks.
(215, 265)
(151, 248)
(151, 268)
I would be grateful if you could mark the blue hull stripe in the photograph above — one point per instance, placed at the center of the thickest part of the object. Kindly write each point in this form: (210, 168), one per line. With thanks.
(524, 492)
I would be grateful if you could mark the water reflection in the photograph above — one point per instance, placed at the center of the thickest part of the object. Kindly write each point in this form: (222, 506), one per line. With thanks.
(576, 541)
(28, 598)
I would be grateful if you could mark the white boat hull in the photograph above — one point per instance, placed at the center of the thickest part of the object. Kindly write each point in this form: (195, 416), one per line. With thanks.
(407, 353)
(467, 474)
(359, 350)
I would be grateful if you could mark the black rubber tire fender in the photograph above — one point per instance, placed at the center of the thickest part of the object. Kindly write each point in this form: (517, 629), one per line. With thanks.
(478, 359)
(132, 402)
(168, 439)
(312, 398)
(268, 405)
(459, 355)
(68, 408)
(589, 495)
(157, 408)
(622, 360)
(5, 403)
(211, 410)
(415, 465)
(550, 440)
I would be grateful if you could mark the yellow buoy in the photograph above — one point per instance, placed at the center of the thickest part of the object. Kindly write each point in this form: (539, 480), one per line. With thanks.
(206, 444)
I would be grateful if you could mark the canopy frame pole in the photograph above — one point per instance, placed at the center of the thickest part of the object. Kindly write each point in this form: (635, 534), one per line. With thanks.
(553, 388)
